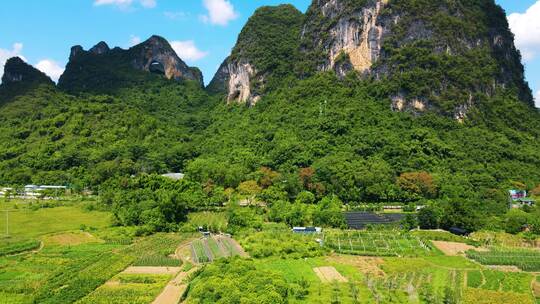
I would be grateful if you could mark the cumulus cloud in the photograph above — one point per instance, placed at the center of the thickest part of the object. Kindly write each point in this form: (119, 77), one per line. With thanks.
(134, 40)
(126, 4)
(526, 28)
(5, 54)
(51, 68)
(187, 50)
(220, 12)
(537, 99)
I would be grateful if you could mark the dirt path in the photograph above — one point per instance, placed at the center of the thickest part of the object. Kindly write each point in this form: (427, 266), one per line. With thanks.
(172, 293)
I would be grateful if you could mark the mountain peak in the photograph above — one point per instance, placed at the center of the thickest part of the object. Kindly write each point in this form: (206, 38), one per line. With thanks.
(18, 71)
(441, 55)
(266, 50)
(100, 48)
(101, 65)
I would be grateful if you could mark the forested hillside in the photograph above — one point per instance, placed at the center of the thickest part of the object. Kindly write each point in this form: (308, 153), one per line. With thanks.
(50, 137)
(423, 118)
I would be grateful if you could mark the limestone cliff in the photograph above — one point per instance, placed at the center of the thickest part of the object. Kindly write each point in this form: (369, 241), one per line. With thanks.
(433, 54)
(18, 71)
(352, 34)
(264, 55)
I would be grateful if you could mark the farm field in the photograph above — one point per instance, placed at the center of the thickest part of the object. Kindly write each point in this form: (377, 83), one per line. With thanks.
(211, 248)
(376, 243)
(27, 223)
(128, 289)
(524, 259)
(67, 264)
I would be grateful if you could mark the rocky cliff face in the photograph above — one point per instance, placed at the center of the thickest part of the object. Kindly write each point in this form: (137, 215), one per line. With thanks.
(264, 55)
(238, 80)
(18, 71)
(434, 54)
(101, 65)
(157, 55)
(353, 34)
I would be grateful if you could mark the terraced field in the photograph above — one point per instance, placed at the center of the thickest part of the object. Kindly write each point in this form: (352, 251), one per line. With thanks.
(208, 249)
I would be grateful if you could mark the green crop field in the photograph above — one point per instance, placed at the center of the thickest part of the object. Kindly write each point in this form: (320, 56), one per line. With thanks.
(525, 259)
(72, 264)
(128, 289)
(199, 252)
(376, 243)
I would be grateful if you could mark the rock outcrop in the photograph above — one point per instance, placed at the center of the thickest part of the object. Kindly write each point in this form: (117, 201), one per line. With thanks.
(157, 55)
(264, 55)
(18, 71)
(19, 78)
(100, 48)
(99, 66)
(353, 34)
(436, 56)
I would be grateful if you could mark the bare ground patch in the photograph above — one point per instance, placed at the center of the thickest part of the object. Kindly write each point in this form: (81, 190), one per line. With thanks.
(366, 265)
(329, 274)
(535, 288)
(453, 248)
(71, 239)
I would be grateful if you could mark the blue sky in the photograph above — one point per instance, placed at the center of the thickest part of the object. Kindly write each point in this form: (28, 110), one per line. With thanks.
(203, 31)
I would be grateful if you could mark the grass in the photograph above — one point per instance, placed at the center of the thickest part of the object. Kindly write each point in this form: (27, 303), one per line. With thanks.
(26, 223)
(501, 239)
(444, 236)
(215, 222)
(475, 279)
(482, 296)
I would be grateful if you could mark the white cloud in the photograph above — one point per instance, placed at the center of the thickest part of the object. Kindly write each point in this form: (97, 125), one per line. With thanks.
(175, 15)
(119, 3)
(126, 4)
(148, 3)
(526, 28)
(5, 54)
(134, 40)
(51, 68)
(220, 12)
(187, 50)
(537, 99)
